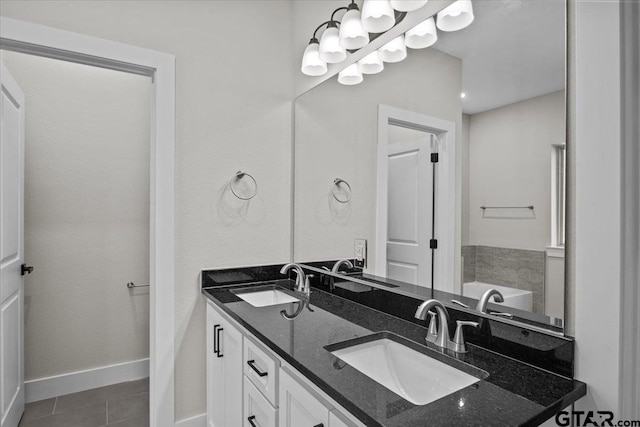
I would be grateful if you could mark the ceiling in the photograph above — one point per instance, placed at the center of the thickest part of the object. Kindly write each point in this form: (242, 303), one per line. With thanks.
(514, 50)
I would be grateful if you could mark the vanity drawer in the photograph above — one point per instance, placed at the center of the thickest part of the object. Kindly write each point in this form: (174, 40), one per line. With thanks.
(262, 370)
(257, 411)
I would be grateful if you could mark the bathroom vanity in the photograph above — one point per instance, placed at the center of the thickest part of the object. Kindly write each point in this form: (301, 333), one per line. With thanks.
(341, 363)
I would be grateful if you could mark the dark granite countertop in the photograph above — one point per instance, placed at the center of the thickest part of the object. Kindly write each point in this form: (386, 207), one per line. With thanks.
(513, 393)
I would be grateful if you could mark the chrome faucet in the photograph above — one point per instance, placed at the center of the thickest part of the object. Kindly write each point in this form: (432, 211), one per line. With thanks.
(340, 263)
(484, 299)
(440, 336)
(301, 281)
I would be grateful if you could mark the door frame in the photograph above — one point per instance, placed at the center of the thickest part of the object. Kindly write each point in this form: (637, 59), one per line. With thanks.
(445, 212)
(25, 37)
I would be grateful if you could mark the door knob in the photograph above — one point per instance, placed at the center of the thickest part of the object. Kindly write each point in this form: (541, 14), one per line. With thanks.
(25, 269)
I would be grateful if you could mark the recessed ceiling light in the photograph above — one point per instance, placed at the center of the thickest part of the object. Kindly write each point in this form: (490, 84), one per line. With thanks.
(463, 95)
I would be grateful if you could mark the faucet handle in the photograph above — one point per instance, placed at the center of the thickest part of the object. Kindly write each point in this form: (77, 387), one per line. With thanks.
(432, 335)
(458, 339)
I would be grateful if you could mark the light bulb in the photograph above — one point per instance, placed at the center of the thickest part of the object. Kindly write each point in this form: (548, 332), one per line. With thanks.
(371, 64)
(456, 16)
(312, 65)
(330, 50)
(351, 34)
(350, 75)
(407, 5)
(377, 16)
(394, 51)
(422, 35)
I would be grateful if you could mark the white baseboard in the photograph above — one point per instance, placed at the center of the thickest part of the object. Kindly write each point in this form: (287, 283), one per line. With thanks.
(45, 388)
(197, 421)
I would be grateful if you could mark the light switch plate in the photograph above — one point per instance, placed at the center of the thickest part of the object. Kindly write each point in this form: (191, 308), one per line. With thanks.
(360, 252)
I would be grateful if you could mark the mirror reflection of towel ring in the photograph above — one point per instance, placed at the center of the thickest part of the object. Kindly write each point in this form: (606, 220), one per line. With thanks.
(342, 193)
(245, 191)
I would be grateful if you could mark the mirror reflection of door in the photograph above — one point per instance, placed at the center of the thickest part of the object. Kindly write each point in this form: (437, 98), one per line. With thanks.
(409, 199)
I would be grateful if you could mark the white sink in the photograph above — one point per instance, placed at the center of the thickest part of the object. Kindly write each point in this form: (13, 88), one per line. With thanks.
(410, 374)
(266, 298)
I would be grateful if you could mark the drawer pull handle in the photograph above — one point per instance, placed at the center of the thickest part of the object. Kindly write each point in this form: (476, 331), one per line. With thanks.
(218, 351)
(319, 425)
(250, 419)
(252, 363)
(215, 339)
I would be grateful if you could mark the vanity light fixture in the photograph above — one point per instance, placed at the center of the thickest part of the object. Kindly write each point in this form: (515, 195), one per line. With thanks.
(377, 16)
(350, 76)
(330, 49)
(407, 5)
(352, 35)
(371, 64)
(394, 51)
(422, 35)
(456, 16)
(312, 65)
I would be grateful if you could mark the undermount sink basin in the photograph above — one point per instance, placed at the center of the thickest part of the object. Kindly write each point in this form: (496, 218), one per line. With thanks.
(264, 298)
(415, 376)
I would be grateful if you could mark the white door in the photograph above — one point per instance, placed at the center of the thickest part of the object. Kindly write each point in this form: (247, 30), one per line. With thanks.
(408, 197)
(11, 250)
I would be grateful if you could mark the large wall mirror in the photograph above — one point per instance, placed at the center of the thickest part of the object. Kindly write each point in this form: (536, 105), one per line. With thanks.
(490, 101)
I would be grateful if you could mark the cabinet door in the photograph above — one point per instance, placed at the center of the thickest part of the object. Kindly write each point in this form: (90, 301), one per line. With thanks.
(224, 371)
(298, 407)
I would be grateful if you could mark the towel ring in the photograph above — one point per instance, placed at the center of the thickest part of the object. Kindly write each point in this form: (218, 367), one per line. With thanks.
(346, 195)
(236, 179)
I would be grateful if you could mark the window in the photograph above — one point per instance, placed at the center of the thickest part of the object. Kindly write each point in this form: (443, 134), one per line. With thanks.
(558, 194)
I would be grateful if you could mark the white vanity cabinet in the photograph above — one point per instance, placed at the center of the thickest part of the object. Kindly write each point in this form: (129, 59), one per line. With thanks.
(250, 386)
(224, 371)
(298, 406)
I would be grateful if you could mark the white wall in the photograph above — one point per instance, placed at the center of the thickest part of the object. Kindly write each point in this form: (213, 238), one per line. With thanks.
(597, 196)
(86, 215)
(510, 165)
(234, 89)
(336, 136)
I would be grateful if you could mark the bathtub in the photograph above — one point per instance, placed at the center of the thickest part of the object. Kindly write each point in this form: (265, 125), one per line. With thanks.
(516, 298)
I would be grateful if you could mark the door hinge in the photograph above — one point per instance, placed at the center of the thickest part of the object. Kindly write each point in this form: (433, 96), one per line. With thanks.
(434, 157)
(433, 244)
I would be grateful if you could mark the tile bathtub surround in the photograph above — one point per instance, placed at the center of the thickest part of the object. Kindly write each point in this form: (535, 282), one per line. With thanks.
(119, 405)
(469, 265)
(515, 268)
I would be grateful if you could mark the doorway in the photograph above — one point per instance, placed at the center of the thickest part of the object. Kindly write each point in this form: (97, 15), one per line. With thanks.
(39, 40)
(86, 208)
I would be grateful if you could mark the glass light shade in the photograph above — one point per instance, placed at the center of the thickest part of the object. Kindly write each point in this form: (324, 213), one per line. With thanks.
(330, 50)
(422, 35)
(350, 75)
(456, 16)
(312, 65)
(371, 64)
(377, 16)
(351, 34)
(394, 51)
(407, 5)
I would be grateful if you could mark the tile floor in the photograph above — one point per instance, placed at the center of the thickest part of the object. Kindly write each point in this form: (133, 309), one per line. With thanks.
(119, 405)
